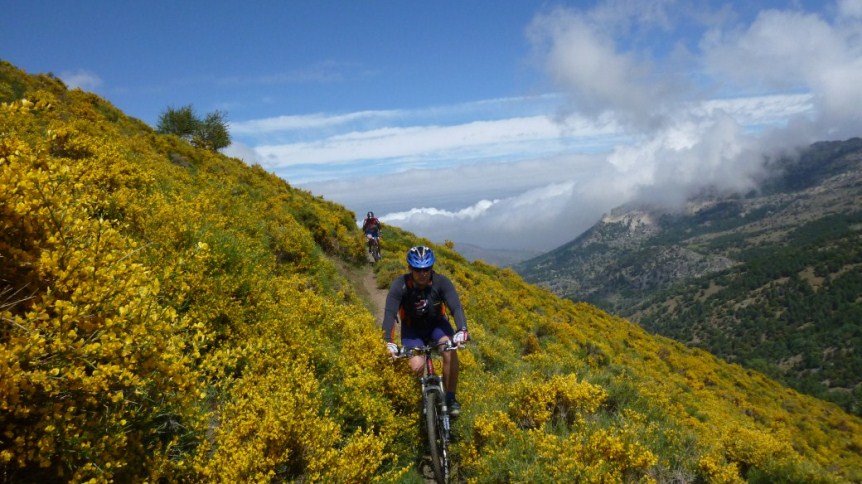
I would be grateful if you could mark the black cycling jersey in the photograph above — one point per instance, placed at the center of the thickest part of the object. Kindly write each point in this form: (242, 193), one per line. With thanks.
(421, 306)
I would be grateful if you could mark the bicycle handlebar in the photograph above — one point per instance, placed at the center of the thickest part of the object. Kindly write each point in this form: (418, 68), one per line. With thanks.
(427, 349)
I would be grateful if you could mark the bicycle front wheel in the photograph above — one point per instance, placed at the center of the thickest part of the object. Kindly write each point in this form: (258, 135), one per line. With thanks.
(436, 438)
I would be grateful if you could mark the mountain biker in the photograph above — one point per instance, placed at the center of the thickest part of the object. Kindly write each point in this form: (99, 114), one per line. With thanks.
(371, 227)
(418, 297)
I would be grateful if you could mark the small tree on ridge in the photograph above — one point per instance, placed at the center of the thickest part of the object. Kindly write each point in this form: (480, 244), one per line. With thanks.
(210, 133)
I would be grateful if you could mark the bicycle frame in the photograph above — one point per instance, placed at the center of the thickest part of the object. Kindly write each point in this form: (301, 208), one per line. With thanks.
(433, 383)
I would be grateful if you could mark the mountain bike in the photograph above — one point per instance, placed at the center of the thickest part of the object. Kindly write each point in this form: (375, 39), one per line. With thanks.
(374, 248)
(434, 409)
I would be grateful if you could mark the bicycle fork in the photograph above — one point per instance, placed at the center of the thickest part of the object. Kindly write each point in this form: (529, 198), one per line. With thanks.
(435, 385)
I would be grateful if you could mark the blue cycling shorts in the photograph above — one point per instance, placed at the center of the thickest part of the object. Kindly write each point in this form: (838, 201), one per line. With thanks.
(418, 335)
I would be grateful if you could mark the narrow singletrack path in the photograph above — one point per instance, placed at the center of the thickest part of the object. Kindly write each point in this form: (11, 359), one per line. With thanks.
(377, 296)
(365, 284)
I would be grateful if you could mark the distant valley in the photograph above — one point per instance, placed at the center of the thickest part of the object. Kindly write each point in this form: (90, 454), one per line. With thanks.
(769, 279)
(497, 257)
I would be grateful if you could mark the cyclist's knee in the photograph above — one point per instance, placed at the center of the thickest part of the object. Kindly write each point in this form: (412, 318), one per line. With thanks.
(417, 363)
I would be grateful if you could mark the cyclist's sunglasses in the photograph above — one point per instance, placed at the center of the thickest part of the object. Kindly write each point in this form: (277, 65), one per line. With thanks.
(415, 269)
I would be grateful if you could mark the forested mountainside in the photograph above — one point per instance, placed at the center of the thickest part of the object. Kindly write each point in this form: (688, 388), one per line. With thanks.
(770, 280)
(171, 313)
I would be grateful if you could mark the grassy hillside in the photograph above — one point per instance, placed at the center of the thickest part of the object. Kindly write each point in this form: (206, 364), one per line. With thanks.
(170, 312)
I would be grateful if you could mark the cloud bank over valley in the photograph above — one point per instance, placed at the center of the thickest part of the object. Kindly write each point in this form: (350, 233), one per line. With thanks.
(650, 104)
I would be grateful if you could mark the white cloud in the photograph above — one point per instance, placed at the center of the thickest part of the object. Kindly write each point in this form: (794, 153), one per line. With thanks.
(243, 152)
(759, 110)
(538, 218)
(452, 188)
(303, 122)
(419, 141)
(582, 58)
(82, 79)
(424, 215)
(850, 8)
(607, 60)
(678, 162)
(779, 50)
(260, 128)
(795, 50)
(507, 139)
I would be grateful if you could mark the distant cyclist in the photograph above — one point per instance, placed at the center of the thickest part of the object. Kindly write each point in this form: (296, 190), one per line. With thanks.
(418, 298)
(371, 227)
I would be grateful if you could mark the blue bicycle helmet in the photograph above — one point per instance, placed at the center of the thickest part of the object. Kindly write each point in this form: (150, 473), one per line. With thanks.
(420, 257)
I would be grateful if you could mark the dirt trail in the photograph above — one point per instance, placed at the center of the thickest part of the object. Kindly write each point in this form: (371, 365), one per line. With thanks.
(363, 280)
(377, 296)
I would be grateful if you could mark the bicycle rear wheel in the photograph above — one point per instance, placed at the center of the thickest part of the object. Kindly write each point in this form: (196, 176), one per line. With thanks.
(436, 438)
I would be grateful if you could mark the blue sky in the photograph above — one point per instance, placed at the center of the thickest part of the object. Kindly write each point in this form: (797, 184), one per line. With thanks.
(503, 124)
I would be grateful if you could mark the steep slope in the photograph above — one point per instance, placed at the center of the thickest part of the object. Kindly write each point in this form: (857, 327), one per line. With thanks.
(172, 313)
(769, 280)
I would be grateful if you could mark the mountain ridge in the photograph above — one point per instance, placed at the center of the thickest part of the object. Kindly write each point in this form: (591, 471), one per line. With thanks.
(674, 272)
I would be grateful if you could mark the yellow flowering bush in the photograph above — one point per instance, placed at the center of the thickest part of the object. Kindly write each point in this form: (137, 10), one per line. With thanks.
(137, 299)
(93, 365)
(562, 397)
(717, 470)
(491, 430)
(272, 429)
